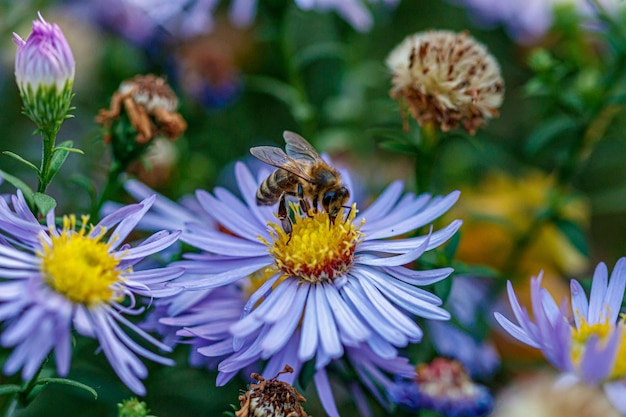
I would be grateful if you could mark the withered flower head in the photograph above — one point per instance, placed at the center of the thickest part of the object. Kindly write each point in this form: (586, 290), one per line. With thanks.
(446, 79)
(150, 105)
(271, 398)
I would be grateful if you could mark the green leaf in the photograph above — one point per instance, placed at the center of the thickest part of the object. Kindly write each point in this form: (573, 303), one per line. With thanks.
(400, 147)
(59, 154)
(306, 374)
(574, 234)
(70, 382)
(22, 160)
(318, 51)
(548, 132)
(300, 109)
(442, 288)
(9, 389)
(20, 185)
(72, 150)
(44, 203)
(450, 249)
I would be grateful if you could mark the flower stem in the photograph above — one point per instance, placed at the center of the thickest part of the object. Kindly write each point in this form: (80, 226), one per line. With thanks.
(22, 398)
(49, 139)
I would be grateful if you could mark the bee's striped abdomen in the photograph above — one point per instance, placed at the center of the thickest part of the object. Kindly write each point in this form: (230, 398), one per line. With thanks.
(274, 186)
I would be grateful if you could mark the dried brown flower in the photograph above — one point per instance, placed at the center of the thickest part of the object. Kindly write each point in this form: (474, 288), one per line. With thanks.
(446, 79)
(150, 105)
(271, 398)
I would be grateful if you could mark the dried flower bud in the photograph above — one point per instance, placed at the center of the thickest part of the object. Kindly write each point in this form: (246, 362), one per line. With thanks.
(150, 105)
(142, 110)
(446, 79)
(271, 398)
(444, 387)
(44, 72)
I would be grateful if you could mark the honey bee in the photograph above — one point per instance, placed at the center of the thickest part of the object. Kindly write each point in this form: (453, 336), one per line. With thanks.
(301, 173)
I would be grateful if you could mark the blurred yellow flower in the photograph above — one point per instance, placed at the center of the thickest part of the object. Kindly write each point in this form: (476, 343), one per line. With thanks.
(499, 214)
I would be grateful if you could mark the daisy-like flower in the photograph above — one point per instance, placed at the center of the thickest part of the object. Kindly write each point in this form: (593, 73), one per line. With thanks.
(328, 284)
(204, 318)
(447, 79)
(587, 348)
(56, 279)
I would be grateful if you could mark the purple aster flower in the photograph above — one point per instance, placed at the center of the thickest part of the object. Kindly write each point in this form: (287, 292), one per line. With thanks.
(443, 386)
(528, 20)
(333, 285)
(44, 72)
(142, 20)
(80, 277)
(376, 376)
(586, 348)
(468, 305)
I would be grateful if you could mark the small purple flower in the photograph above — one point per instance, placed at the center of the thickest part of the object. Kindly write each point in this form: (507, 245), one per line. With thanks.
(44, 59)
(375, 377)
(77, 277)
(587, 347)
(468, 304)
(443, 386)
(529, 20)
(144, 20)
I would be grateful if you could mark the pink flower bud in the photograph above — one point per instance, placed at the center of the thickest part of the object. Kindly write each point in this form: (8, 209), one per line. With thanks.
(44, 58)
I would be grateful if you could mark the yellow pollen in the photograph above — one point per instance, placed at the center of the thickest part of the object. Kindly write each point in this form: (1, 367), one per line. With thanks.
(79, 266)
(317, 249)
(581, 336)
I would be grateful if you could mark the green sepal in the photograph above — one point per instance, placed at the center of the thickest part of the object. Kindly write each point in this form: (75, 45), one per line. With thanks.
(8, 389)
(69, 382)
(22, 160)
(20, 185)
(574, 234)
(44, 203)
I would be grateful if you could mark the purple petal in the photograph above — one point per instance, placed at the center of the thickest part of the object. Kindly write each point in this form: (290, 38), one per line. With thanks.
(580, 306)
(325, 393)
(598, 292)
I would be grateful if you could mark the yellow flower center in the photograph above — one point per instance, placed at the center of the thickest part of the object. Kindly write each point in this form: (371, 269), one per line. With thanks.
(602, 331)
(79, 266)
(318, 249)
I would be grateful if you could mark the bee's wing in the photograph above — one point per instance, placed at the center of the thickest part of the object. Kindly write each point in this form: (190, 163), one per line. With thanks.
(299, 148)
(278, 158)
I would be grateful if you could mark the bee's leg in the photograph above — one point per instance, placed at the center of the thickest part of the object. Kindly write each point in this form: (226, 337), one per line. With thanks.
(349, 212)
(283, 216)
(304, 203)
(315, 202)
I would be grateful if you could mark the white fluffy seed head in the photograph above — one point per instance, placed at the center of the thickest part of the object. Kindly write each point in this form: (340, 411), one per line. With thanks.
(447, 79)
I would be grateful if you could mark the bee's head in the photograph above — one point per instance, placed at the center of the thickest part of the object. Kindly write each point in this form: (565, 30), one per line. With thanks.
(334, 200)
